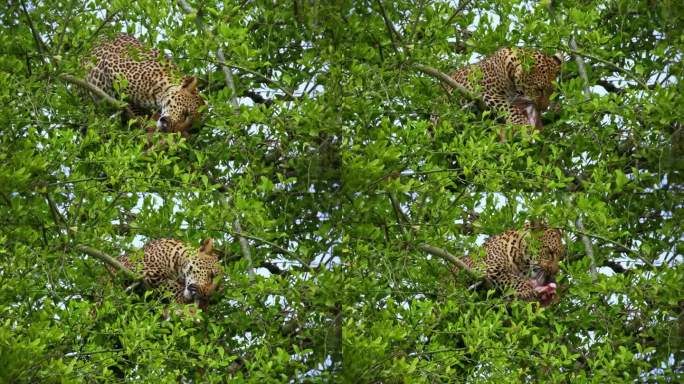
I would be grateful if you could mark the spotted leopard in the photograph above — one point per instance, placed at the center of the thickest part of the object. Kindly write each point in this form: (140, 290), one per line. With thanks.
(169, 265)
(514, 82)
(151, 82)
(525, 261)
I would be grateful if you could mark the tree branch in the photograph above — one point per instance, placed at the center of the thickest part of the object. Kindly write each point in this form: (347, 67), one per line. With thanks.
(393, 33)
(451, 83)
(267, 79)
(610, 87)
(244, 247)
(228, 74)
(274, 269)
(439, 252)
(580, 64)
(109, 260)
(602, 238)
(588, 248)
(612, 65)
(40, 45)
(259, 239)
(616, 267)
(400, 215)
(444, 254)
(98, 92)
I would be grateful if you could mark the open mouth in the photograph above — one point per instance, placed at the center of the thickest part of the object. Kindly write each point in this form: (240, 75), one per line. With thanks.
(548, 288)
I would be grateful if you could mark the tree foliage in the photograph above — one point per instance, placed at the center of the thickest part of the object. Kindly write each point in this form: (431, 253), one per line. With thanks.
(337, 159)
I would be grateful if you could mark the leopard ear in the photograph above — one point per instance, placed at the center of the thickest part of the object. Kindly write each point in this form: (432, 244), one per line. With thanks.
(559, 57)
(207, 246)
(190, 83)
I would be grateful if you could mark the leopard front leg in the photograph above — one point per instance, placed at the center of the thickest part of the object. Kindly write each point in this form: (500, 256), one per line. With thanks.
(507, 278)
(175, 288)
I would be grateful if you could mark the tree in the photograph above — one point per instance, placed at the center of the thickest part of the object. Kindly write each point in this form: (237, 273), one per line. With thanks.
(327, 164)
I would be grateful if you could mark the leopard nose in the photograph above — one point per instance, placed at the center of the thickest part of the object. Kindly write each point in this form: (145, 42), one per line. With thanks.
(163, 124)
(192, 288)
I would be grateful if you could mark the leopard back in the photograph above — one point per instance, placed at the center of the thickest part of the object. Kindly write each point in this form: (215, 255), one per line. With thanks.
(506, 255)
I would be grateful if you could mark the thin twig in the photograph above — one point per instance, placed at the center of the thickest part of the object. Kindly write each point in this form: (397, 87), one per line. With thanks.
(599, 237)
(259, 239)
(228, 74)
(393, 33)
(401, 216)
(588, 248)
(40, 45)
(267, 79)
(244, 247)
(229, 79)
(614, 66)
(462, 6)
(580, 64)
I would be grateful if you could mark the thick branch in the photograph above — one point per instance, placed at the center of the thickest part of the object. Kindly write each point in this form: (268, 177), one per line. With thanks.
(97, 91)
(273, 269)
(610, 87)
(444, 254)
(616, 267)
(451, 83)
(109, 260)
(258, 99)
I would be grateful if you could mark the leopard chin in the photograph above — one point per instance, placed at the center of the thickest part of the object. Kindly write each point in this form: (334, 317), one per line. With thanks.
(188, 295)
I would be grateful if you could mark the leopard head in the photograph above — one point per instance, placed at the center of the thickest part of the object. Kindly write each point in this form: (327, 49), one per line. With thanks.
(551, 252)
(200, 273)
(180, 108)
(536, 79)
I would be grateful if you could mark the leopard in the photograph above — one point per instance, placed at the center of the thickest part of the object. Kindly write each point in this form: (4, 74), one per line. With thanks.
(510, 262)
(514, 82)
(152, 83)
(169, 265)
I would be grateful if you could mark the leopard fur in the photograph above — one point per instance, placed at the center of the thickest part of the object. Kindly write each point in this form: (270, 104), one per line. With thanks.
(151, 82)
(503, 78)
(511, 262)
(169, 265)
